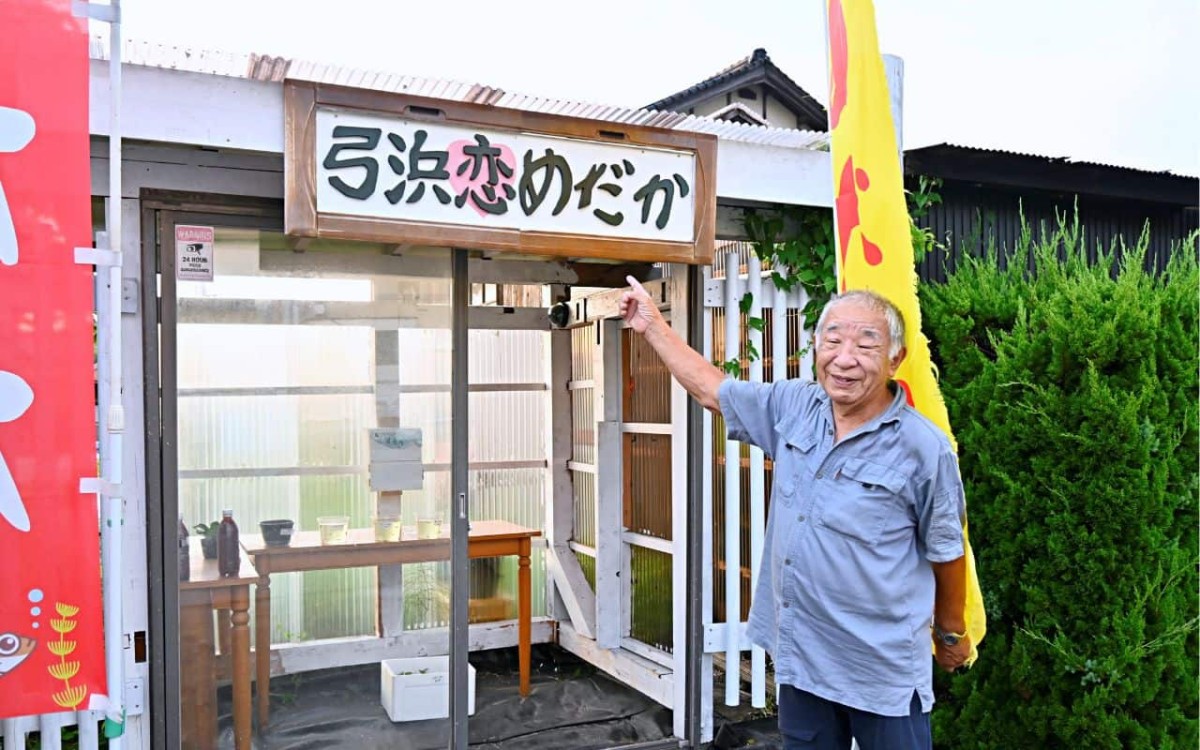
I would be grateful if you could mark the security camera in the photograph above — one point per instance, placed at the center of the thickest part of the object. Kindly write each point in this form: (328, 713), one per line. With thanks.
(560, 315)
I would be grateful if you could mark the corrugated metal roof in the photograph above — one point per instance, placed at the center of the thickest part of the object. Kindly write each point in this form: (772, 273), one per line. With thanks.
(945, 148)
(171, 57)
(275, 69)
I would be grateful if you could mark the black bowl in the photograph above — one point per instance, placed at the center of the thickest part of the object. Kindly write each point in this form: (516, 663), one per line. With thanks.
(276, 533)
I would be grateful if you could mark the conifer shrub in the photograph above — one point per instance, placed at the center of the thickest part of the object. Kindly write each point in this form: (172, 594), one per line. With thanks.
(1072, 389)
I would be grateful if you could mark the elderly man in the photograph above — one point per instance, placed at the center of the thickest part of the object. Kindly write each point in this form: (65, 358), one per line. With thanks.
(863, 558)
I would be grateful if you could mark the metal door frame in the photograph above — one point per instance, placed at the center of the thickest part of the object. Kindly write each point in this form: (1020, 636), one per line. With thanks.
(160, 212)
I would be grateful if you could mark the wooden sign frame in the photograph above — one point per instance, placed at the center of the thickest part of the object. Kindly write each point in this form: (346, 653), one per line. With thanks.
(302, 99)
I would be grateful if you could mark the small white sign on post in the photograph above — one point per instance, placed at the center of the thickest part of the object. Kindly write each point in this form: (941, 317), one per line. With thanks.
(395, 459)
(193, 253)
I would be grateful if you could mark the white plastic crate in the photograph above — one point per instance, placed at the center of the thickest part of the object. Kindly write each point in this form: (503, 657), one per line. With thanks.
(419, 688)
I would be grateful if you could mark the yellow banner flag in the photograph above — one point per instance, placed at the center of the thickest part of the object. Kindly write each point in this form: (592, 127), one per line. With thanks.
(874, 242)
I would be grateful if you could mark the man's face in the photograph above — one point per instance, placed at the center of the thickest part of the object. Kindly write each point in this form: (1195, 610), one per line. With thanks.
(853, 365)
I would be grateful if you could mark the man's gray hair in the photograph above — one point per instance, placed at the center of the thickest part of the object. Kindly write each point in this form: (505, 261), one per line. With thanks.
(872, 301)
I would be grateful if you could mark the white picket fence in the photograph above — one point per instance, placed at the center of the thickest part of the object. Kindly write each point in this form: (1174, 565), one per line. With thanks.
(726, 294)
(50, 730)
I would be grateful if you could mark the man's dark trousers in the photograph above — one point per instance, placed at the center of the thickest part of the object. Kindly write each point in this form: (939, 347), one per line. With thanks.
(807, 722)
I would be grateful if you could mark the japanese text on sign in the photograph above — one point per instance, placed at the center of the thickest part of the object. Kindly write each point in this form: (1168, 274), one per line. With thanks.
(415, 171)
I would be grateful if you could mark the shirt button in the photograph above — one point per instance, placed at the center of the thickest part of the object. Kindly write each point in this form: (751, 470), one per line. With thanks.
(786, 605)
(787, 561)
(819, 474)
(801, 518)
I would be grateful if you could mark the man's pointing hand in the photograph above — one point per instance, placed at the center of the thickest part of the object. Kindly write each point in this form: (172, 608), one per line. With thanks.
(637, 308)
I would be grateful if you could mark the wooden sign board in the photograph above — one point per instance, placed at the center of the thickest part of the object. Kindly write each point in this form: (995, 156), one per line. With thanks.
(385, 167)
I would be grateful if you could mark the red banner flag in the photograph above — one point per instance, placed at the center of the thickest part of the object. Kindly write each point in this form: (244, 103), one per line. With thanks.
(51, 623)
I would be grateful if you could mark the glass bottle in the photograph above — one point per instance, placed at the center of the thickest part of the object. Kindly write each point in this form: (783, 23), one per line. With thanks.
(228, 554)
(185, 552)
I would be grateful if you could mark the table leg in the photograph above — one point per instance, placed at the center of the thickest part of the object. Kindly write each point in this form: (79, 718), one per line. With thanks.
(224, 649)
(524, 616)
(197, 676)
(223, 631)
(241, 666)
(262, 648)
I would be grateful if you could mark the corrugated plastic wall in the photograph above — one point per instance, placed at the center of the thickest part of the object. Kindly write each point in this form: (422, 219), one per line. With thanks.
(583, 436)
(249, 441)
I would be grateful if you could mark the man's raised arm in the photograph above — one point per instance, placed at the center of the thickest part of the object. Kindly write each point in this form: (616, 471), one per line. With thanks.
(697, 375)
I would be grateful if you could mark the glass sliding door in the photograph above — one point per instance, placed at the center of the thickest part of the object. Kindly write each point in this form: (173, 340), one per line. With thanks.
(309, 398)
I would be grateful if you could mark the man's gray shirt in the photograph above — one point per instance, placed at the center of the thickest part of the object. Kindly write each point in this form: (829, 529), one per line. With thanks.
(845, 595)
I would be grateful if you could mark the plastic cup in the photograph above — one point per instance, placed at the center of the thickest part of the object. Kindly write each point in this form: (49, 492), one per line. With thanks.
(333, 529)
(387, 528)
(429, 528)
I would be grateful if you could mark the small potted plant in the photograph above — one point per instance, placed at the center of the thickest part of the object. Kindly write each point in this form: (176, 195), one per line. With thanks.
(208, 538)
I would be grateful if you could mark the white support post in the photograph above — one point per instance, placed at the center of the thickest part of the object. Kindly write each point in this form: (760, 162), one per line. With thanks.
(557, 439)
(135, 578)
(88, 736)
(679, 291)
(561, 563)
(389, 590)
(609, 472)
(779, 337)
(758, 657)
(13, 735)
(799, 298)
(50, 728)
(733, 465)
(112, 437)
(893, 70)
(706, 525)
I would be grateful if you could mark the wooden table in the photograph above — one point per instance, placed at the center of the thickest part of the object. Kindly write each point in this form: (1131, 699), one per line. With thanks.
(486, 539)
(198, 597)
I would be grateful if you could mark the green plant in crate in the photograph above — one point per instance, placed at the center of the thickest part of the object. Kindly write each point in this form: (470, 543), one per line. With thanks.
(208, 538)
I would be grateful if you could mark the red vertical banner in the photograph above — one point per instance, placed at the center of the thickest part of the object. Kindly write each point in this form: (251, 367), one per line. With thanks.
(51, 623)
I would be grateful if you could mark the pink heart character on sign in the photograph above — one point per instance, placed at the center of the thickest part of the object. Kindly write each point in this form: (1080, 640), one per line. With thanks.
(482, 174)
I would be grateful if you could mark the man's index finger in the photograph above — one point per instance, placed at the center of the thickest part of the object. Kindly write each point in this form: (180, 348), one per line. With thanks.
(637, 285)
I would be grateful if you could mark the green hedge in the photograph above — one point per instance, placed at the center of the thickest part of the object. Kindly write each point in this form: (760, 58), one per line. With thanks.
(1073, 394)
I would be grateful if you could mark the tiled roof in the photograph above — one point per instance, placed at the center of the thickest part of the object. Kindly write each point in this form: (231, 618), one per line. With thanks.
(757, 67)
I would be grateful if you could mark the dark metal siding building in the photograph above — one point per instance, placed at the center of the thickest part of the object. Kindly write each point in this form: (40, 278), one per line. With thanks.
(985, 193)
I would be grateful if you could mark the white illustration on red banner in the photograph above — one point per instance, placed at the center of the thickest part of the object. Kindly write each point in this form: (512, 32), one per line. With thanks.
(15, 398)
(16, 131)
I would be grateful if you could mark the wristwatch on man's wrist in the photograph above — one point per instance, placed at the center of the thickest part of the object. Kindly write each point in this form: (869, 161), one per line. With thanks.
(949, 639)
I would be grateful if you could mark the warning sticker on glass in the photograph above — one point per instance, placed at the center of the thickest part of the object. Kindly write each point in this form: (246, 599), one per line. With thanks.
(193, 253)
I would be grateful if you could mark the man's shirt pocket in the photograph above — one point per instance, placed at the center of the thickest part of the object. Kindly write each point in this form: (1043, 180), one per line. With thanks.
(865, 497)
(791, 466)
